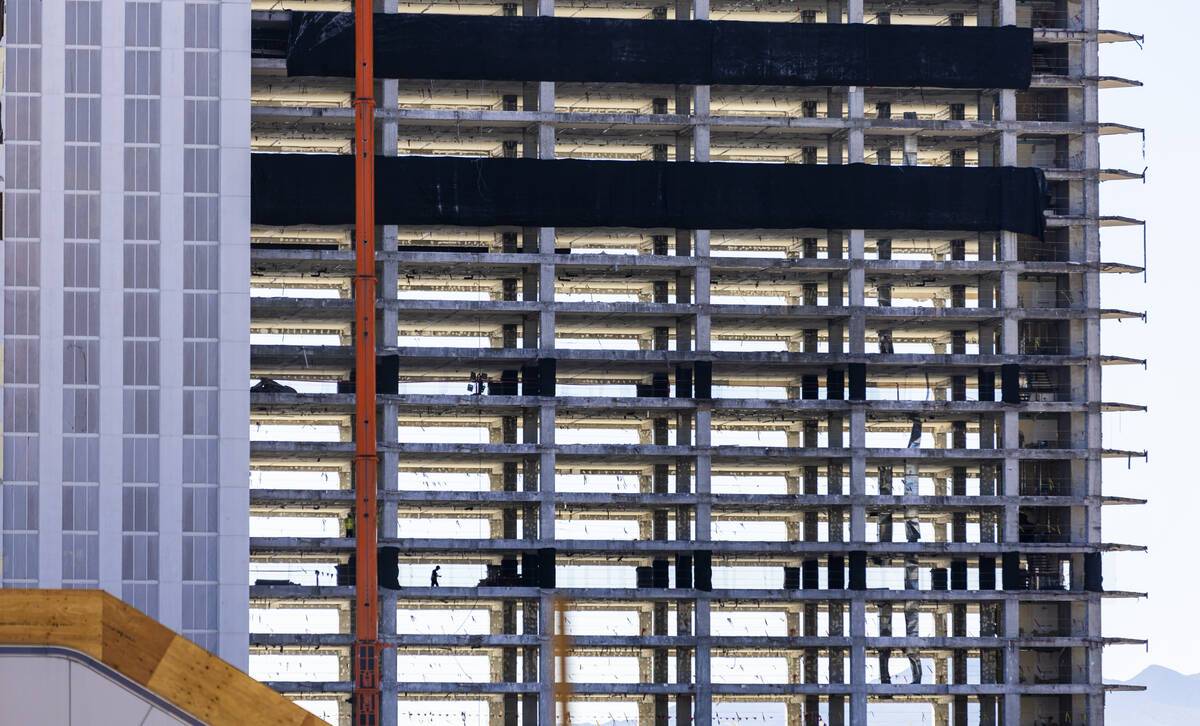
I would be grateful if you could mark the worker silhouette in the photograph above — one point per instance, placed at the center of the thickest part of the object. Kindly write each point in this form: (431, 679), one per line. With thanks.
(433, 576)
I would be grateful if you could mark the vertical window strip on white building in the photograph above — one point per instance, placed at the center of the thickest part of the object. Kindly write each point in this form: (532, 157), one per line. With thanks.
(142, 306)
(201, 333)
(22, 325)
(81, 296)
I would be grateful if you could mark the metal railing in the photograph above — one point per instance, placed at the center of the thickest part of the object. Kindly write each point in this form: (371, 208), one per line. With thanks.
(1041, 534)
(1045, 345)
(1049, 158)
(1055, 299)
(1045, 488)
(969, 113)
(1054, 19)
(1049, 443)
(1041, 109)
(1048, 251)
(1050, 65)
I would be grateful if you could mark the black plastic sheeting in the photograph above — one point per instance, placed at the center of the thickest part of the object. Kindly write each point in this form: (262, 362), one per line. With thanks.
(702, 560)
(987, 572)
(476, 192)
(858, 570)
(485, 48)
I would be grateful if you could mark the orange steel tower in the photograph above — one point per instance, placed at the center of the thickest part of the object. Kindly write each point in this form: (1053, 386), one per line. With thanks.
(366, 645)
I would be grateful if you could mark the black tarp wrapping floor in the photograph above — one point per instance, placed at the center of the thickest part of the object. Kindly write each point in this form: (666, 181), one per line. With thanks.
(481, 192)
(489, 48)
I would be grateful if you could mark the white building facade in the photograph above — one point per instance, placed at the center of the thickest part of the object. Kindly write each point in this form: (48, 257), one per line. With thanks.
(126, 307)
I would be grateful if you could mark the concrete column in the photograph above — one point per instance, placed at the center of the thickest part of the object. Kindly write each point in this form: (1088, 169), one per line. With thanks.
(703, 713)
(941, 709)
(1008, 12)
(834, 145)
(1012, 695)
(386, 137)
(1009, 334)
(854, 11)
(546, 322)
(911, 149)
(1092, 379)
(858, 476)
(858, 659)
(703, 344)
(547, 418)
(1010, 484)
(1010, 326)
(855, 142)
(645, 663)
(703, 331)
(701, 140)
(1095, 698)
(1009, 303)
(388, 475)
(546, 465)
(703, 476)
(546, 625)
(857, 279)
(833, 11)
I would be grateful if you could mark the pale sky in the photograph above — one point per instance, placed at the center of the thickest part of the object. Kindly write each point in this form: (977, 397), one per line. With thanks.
(1169, 338)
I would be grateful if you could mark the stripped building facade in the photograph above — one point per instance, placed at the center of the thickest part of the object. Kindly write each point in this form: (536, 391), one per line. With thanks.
(782, 440)
(759, 341)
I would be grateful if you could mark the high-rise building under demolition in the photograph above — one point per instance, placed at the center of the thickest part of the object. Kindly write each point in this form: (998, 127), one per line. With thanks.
(713, 363)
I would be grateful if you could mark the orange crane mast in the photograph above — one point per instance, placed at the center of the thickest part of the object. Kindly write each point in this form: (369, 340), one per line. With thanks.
(366, 704)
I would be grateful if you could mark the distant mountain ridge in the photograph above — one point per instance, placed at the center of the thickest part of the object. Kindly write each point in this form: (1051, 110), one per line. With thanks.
(1170, 699)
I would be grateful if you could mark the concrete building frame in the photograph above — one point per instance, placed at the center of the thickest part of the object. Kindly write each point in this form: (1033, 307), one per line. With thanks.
(936, 319)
